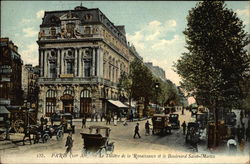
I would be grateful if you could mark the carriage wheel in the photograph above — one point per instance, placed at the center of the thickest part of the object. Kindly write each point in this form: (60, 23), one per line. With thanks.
(102, 152)
(18, 126)
(59, 135)
(46, 137)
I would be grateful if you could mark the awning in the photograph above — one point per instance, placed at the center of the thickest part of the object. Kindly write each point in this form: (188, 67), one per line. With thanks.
(4, 110)
(117, 103)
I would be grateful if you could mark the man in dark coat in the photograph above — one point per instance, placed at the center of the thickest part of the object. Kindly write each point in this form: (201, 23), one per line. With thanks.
(69, 144)
(147, 128)
(137, 130)
(84, 122)
(184, 127)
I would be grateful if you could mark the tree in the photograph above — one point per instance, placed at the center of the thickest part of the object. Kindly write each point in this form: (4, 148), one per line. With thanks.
(217, 60)
(137, 83)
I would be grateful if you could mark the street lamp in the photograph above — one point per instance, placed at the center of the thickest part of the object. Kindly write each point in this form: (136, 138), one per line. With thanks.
(157, 85)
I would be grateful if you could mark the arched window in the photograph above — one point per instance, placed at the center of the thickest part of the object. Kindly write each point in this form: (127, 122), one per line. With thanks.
(50, 102)
(68, 92)
(85, 94)
(50, 94)
(85, 103)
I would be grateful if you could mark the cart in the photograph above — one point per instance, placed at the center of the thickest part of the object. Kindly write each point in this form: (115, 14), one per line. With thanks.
(96, 142)
(161, 124)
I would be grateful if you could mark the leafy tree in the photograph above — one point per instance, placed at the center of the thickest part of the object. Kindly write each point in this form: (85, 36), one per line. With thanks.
(216, 61)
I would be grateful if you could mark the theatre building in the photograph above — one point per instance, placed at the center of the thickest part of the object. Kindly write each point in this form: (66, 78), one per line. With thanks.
(81, 56)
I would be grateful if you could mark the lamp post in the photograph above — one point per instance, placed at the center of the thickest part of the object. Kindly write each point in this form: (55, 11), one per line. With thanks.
(157, 85)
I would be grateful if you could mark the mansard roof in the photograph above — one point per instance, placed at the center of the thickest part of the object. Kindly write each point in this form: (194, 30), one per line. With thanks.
(53, 18)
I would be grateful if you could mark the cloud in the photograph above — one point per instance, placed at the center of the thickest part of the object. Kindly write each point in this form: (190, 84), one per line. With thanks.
(25, 21)
(40, 14)
(29, 32)
(30, 54)
(156, 43)
(244, 14)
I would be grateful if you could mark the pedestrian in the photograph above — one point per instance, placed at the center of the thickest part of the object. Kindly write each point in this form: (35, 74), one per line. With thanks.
(137, 130)
(7, 127)
(247, 133)
(182, 111)
(102, 116)
(242, 145)
(84, 122)
(132, 116)
(239, 134)
(125, 122)
(42, 120)
(184, 125)
(147, 128)
(115, 121)
(108, 119)
(96, 116)
(69, 144)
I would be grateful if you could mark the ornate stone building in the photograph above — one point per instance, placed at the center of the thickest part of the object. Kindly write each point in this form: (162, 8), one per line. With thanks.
(81, 56)
(10, 73)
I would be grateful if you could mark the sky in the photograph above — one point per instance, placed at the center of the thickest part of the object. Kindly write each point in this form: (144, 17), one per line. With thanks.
(153, 27)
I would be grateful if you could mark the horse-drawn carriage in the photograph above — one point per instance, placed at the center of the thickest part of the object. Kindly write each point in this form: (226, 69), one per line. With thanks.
(174, 121)
(96, 142)
(65, 120)
(161, 124)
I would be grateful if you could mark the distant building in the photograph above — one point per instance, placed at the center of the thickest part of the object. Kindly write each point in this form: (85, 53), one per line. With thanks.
(30, 88)
(81, 56)
(156, 70)
(10, 73)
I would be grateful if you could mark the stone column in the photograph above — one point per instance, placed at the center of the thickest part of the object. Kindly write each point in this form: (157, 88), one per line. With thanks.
(62, 61)
(41, 52)
(45, 63)
(79, 60)
(93, 62)
(48, 65)
(58, 62)
(100, 53)
(75, 63)
(82, 64)
(97, 63)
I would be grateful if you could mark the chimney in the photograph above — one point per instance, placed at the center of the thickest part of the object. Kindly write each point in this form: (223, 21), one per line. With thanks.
(11, 45)
(15, 48)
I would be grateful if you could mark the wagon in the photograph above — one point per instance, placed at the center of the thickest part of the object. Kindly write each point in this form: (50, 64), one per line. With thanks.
(96, 142)
(161, 124)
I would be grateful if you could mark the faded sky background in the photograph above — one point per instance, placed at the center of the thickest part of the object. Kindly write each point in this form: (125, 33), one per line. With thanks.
(154, 27)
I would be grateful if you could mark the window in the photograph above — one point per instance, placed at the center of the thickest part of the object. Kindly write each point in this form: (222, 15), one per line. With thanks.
(52, 69)
(53, 31)
(50, 102)
(85, 94)
(87, 68)
(70, 67)
(87, 30)
(68, 92)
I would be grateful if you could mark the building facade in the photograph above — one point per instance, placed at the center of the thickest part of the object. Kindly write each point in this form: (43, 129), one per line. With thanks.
(30, 88)
(10, 73)
(81, 56)
(156, 70)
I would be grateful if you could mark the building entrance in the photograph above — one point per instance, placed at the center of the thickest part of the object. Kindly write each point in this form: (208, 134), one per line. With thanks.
(68, 103)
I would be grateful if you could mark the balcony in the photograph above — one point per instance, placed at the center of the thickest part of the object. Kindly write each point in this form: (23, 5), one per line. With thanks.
(76, 80)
